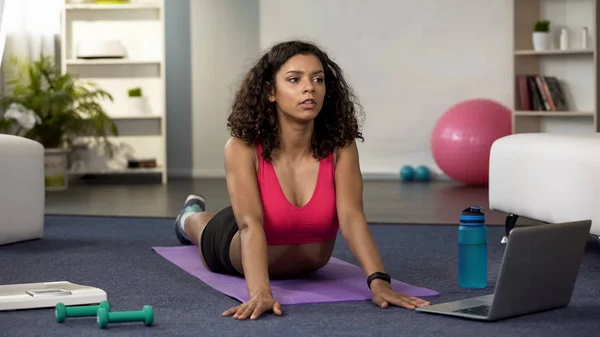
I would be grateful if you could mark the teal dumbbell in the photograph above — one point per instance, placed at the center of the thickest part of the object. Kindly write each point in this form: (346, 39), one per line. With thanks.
(407, 173)
(62, 311)
(423, 173)
(145, 315)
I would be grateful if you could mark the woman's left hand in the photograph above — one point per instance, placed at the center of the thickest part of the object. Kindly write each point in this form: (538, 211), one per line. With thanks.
(384, 295)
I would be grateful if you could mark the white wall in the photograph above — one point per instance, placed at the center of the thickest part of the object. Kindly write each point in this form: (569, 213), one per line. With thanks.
(407, 60)
(224, 40)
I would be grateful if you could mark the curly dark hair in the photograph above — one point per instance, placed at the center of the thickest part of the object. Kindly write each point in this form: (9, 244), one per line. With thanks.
(254, 119)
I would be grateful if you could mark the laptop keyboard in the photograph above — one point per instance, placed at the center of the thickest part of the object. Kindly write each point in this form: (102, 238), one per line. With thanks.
(480, 310)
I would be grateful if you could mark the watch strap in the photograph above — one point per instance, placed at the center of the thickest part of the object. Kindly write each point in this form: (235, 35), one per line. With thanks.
(378, 276)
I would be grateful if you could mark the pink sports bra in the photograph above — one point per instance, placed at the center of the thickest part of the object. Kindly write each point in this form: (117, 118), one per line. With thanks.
(286, 224)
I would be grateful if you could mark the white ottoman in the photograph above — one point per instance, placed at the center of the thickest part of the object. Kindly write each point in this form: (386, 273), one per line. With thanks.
(22, 194)
(547, 177)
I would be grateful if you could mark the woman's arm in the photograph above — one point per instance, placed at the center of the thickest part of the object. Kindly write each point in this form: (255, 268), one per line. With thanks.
(353, 224)
(355, 230)
(240, 173)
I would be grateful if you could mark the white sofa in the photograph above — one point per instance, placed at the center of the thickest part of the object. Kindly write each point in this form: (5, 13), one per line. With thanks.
(22, 194)
(547, 177)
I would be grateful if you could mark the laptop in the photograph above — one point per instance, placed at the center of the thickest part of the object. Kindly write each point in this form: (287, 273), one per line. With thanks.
(538, 273)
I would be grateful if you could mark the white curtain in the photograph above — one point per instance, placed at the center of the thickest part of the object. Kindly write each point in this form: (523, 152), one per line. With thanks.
(28, 29)
(32, 28)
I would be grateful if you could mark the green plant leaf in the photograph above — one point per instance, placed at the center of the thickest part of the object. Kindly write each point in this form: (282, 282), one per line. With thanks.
(69, 108)
(542, 26)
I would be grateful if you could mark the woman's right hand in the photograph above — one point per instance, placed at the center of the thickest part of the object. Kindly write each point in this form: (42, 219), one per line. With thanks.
(255, 307)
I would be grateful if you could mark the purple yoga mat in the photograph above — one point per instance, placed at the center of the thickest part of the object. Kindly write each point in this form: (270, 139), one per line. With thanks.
(338, 281)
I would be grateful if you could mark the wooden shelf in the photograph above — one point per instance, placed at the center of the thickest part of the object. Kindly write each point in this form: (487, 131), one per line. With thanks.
(79, 62)
(140, 28)
(554, 52)
(554, 113)
(72, 7)
(136, 117)
(555, 78)
(154, 170)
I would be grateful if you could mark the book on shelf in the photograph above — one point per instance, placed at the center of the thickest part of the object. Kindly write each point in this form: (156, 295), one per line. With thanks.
(541, 93)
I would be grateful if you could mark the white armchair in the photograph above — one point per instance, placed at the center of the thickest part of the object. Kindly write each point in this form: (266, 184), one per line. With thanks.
(547, 177)
(22, 192)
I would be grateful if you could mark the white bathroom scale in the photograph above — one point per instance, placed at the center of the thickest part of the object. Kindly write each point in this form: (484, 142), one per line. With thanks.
(47, 294)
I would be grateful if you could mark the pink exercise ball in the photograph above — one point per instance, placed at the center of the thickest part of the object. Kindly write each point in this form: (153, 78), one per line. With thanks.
(463, 135)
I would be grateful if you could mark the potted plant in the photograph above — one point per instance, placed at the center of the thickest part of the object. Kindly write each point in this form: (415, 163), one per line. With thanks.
(541, 35)
(136, 101)
(57, 109)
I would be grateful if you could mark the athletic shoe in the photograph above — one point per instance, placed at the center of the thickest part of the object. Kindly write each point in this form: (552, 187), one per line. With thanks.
(193, 204)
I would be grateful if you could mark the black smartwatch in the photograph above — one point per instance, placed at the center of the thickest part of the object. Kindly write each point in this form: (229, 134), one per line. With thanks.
(380, 276)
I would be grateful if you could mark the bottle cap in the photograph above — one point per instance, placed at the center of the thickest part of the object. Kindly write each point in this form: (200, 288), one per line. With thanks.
(472, 216)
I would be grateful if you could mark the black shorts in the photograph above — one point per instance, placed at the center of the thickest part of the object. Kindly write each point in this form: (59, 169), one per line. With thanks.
(216, 240)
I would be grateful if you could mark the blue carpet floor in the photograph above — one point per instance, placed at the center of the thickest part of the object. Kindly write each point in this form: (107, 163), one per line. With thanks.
(114, 254)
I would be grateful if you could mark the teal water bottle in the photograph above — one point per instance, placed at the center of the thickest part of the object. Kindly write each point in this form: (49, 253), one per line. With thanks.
(472, 249)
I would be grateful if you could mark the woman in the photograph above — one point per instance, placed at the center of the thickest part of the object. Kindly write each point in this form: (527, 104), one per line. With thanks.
(293, 178)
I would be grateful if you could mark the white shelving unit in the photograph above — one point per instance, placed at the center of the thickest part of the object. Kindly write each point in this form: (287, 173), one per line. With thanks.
(576, 69)
(139, 26)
